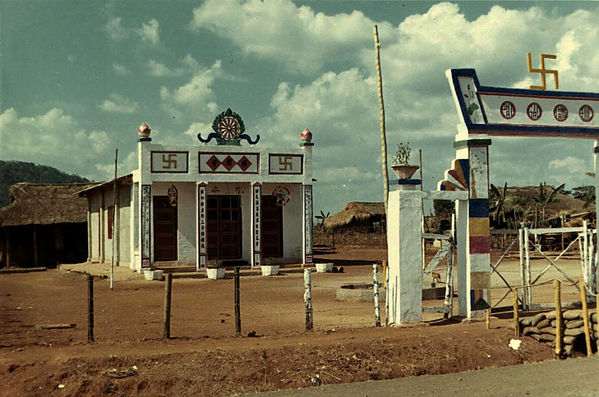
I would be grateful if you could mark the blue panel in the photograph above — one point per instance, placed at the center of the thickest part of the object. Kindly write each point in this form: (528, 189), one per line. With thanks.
(478, 208)
(465, 166)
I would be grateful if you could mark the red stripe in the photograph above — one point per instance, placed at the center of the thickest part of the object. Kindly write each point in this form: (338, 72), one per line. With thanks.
(480, 244)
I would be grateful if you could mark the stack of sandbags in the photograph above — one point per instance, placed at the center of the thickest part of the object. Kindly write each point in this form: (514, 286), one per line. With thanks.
(542, 327)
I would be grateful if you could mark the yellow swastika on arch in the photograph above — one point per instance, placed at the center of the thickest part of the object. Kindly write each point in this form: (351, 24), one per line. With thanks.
(543, 72)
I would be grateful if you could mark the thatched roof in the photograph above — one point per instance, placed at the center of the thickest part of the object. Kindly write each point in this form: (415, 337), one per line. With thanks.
(563, 205)
(354, 211)
(44, 204)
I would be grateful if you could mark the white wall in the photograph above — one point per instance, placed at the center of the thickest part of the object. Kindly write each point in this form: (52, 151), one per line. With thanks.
(94, 249)
(124, 225)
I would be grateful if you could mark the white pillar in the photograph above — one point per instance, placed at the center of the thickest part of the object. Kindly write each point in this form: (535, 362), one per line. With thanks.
(461, 207)
(405, 256)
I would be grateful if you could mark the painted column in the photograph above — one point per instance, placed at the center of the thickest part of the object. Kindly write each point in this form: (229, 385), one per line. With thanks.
(146, 207)
(307, 223)
(256, 203)
(478, 262)
(405, 256)
(202, 230)
(461, 207)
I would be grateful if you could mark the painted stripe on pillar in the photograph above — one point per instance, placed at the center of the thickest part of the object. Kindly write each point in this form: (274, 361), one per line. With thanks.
(202, 228)
(478, 226)
(478, 208)
(256, 224)
(308, 224)
(480, 244)
(146, 249)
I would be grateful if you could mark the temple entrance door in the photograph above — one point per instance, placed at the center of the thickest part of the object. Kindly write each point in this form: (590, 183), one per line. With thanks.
(165, 230)
(272, 228)
(224, 227)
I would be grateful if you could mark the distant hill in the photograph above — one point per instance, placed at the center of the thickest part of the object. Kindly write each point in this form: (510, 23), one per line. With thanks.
(12, 172)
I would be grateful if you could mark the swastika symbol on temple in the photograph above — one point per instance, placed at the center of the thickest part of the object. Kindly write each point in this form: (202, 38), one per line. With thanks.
(285, 163)
(168, 160)
(543, 72)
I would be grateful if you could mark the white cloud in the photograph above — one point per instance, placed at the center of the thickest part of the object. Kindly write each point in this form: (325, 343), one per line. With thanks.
(295, 35)
(119, 104)
(158, 69)
(195, 98)
(55, 139)
(148, 33)
(120, 69)
(188, 66)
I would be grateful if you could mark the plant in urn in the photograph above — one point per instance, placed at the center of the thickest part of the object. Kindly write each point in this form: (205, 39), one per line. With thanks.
(401, 162)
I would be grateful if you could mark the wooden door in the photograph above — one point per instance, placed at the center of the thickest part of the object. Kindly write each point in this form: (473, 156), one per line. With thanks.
(272, 228)
(224, 227)
(165, 230)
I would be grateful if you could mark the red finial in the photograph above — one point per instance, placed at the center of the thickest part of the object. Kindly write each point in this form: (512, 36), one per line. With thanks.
(306, 135)
(144, 130)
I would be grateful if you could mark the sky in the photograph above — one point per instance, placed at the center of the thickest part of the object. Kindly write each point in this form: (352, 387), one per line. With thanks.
(78, 78)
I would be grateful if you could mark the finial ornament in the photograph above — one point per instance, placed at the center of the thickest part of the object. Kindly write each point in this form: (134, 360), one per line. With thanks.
(144, 130)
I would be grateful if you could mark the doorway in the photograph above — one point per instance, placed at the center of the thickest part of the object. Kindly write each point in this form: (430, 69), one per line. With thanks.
(272, 228)
(165, 230)
(224, 227)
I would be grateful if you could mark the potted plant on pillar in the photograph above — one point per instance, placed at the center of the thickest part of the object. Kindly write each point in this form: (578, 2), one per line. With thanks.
(271, 268)
(401, 162)
(215, 269)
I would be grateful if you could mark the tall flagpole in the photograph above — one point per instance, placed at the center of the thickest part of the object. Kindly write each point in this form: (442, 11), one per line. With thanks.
(377, 48)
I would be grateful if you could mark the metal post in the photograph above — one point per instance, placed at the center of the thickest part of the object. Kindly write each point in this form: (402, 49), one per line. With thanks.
(522, 266)
(585, 317)
(375, 286)
(167, 306)
(527, 276)
(237, 304)
(558, 316)
(516, 317)
(90, 308)
(308, 298)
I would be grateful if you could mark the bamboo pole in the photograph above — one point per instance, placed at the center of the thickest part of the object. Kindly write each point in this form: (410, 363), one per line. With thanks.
(168, 287)
(116, 157)
(375, 288)
(387, 294)
(237, 304)
(527, 275)
(516, 317)
(522, 266)
(377, 48)
(585, 317)
(558, 317)
(488, 318)
(308, 299)
(90, 308)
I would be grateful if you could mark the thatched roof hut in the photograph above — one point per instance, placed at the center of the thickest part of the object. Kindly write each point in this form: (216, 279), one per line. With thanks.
(356, 214)
(44, 204)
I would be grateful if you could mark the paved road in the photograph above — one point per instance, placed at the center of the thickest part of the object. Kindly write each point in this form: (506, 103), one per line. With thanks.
(567, 378)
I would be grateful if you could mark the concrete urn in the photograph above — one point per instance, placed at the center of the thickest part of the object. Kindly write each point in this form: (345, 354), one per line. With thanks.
(270, 270)
(215, 273)
(404, 171)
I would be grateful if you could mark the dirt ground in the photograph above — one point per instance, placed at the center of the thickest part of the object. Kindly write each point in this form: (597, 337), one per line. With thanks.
(205, 358)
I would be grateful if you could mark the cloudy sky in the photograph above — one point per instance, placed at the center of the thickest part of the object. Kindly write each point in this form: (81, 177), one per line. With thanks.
(78, 78)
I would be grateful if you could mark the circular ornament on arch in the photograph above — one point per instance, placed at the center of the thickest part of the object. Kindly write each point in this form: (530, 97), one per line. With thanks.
(586, 113)
(560, 112)
(507, 110)
(534, 111)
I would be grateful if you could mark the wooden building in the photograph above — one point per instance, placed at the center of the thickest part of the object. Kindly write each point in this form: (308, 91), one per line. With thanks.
(44, 224)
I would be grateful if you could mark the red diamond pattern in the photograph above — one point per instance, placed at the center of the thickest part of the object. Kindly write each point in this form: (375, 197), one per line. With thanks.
(213, 162)
(229, 163)
(244, 163)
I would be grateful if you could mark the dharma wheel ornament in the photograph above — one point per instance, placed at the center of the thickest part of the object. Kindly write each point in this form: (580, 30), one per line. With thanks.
(228, 130)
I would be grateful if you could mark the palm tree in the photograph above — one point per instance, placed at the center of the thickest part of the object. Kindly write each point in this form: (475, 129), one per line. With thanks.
(498, 199)
(322, 217)
(544, 198)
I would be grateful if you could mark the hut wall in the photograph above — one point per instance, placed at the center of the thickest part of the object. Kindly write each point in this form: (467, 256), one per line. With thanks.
(96, 204)
(124, 225)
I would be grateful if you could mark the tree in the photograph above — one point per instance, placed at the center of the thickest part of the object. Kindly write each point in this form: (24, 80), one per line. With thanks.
(544, 198)
(443, 207)
(498, 200)
(322, 217)
(584, 193)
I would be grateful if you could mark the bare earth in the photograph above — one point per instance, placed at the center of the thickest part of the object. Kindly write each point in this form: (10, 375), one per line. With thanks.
(205, 358)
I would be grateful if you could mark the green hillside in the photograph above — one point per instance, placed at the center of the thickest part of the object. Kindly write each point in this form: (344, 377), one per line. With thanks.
(12, 172)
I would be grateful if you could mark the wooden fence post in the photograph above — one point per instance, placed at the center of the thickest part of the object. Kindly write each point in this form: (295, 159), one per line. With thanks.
(375, 287)
(488, 319)
(516, 317)
(308, 298)
(585, 317)
(167, 306)
(386, 275)
(558, 316)
(237, 304)
(90, 308)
